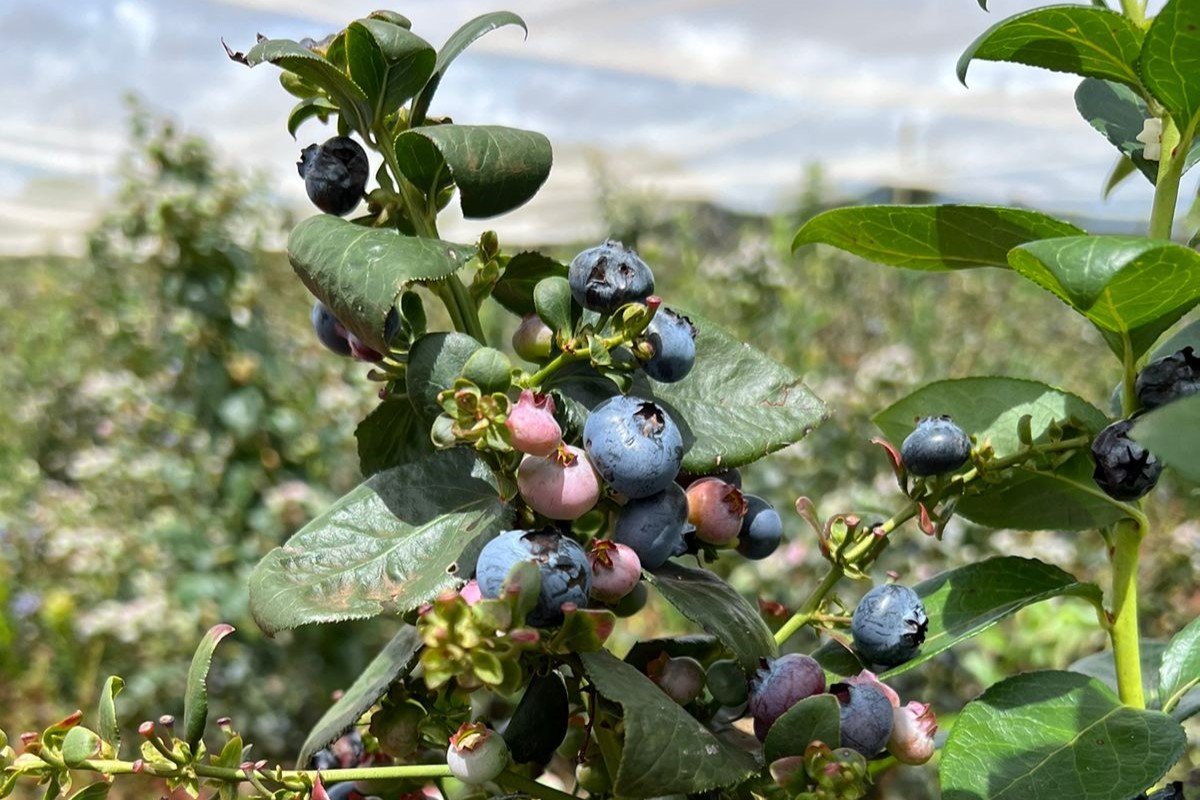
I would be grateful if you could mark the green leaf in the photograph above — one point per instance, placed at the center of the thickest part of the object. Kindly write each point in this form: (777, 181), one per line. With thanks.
(1120, 171)
(395, 661)
(552, 300)
(1065, 736)
(515, 288)
(106, 712)
(737, 405)
(964, 602)
(307, 109)
(195, 701)
(666, 750)
(990, 409)
(435, 361)
(813, 719)
(1092, 42)
(1180, 670)
(584, 630)
(459, 41)
(932, 238)
(392, 543)
(79, 745)
(359, 272)
(352, 103)
(1173, 434)
(489, 369)
(1103, 667)
(93, 791)
(717, 607)
(1131, 288)
(1118, 113)
(391, 435)
(390, 63)
(1169, 57)
(495, 168)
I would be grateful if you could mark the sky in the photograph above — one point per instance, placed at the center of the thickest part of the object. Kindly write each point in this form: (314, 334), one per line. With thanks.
(722, 100)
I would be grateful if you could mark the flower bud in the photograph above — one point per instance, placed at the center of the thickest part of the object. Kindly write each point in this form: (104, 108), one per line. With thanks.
(913, 727)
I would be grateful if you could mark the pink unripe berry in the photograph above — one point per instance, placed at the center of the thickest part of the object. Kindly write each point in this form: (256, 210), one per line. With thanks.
(532, 426)
(913, 727)
(682, 679)
(616, 569)
(562, 486)
(779, 685)
(470, 592)
(716, 508)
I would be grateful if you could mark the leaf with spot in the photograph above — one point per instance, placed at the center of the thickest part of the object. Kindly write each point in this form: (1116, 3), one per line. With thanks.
(717, 607)
(1027, 497)
(666, 750)
(359, 272)
(496, 169)
(459, 41)
(964, 602)
(395, 661)
(1056, 736)
(389, 545)
(195, 700)
(934, 238)
(351, 101)
(1130, 288)
(1092, 42)
(1170, 61)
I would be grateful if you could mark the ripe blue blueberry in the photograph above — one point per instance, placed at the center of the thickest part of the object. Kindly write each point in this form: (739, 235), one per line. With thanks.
(606, 277)
(762, 529)
(866, 716)
(335, 174)
(1170, 378)
(672, 340)
(1124, 469)
(329, 331)
(935, 447)
(634, 445)
(654, 526)
(779, 685)
(889, 625)
(563, 565)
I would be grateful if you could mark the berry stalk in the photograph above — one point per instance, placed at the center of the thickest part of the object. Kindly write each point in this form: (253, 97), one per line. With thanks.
(1136, 11)
(1124, 631)
(1170, 170)
(581, 353)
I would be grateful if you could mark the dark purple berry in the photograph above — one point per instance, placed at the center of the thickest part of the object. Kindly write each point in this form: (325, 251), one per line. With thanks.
(935, 447)
(1169, 378)
(762, 529)
(330, 332)
(635, 446)
(563, 565)
(889, 625)
(866, 717)
(1124, 469)
(672, 341)
(606, 277)
(335, 174)
(779, 685)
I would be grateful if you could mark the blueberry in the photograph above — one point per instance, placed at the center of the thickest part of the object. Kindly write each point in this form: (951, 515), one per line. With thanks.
(782, 683)
(1124, 469)
(762, 529)
(539, 723)
(562, 485)
(936, 446)
(730, 475)
(335, 174)
(606, 277)
(889, 625)
(672, 339)
(654, 526)
(1169, 378)
(866, 717)
(532, 426)
(727, 682)
(563, 564)
(634, 445)
(616, 570)
(681, 679)
(716, 509)
(476, 755)
(330, 332)
(533, 339)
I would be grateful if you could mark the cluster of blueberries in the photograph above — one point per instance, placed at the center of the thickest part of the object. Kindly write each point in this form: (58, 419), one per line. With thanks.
(1125, 470)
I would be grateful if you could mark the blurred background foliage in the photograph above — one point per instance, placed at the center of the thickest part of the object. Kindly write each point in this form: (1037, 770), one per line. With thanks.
(169, 418)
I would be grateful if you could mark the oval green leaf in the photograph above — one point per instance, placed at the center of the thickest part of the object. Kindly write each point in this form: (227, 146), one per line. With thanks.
(395, 661)
(934, 238)
(1065, 737)
(1173, 434)
(717, 607)
(737, 405)
(79, 745)
(990, 409)
(435, 361)
(392, 543)
(1180, 669)
(813, 719)
(1171, 50)
(666, 750)
(521, 274)
(106, 712)
(195, 700)
(1130, 288)
(1092, 42)
(359, 272)
(391, 435)
(351, 100)
(305, 110)
(389, 62)
(495, 168)
(459, 41)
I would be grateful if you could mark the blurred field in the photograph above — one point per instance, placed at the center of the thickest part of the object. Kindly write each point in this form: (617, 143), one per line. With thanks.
(168, 419)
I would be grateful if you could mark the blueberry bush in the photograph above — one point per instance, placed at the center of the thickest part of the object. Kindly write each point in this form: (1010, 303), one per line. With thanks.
(513, 515)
